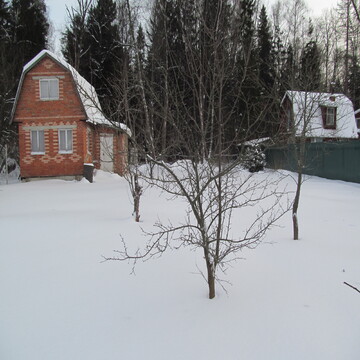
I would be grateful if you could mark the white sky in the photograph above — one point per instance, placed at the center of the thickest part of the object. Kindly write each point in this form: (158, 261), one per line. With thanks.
(58, 15)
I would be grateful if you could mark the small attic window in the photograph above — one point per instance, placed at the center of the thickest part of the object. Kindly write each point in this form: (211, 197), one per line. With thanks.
(49, 89)
(329, 116)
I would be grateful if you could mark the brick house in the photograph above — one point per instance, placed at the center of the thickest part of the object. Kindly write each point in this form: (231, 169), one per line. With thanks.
(60, 123)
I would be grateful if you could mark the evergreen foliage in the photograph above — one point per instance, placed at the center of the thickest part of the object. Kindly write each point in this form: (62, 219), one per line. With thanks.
(310, 72)
(29, 28)
(23, 33)
(104, 51)
(254, 158)
(354, 81)
(206, 66)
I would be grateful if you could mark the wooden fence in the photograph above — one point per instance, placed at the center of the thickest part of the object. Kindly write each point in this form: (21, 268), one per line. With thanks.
(340, 160)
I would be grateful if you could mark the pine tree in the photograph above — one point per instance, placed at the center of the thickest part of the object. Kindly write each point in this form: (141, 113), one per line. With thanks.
(23, 33)
(6, 73)
(104, 53)
(30, 28)
(310, 70)
(73, 38)
(248, 73)
(354, 81)
(289, 72)
(265, 53)
(267, 74)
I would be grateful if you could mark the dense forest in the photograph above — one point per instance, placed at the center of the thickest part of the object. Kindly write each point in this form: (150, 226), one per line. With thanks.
(189, 76)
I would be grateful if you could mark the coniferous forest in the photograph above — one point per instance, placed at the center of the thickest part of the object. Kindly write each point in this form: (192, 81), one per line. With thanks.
(189, 77)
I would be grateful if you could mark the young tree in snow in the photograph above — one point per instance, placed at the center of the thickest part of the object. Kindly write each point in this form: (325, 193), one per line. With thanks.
(310, 113)
(209, 178)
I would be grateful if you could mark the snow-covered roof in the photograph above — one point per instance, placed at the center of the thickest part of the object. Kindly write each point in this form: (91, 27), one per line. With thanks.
(308, 116)
(254, 142)
(86, 92)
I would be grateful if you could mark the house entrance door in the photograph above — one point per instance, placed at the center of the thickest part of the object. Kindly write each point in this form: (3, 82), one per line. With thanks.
(107, 152)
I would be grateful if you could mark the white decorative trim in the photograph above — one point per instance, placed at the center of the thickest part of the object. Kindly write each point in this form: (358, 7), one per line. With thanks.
(58, 117)
(45, 77)
(53, 127)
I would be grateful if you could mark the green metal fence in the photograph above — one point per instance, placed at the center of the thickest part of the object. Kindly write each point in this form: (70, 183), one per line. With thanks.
(340, 160)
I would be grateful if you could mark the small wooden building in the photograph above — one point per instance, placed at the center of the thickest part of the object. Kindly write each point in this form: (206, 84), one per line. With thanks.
(317, 116)
(60, 123)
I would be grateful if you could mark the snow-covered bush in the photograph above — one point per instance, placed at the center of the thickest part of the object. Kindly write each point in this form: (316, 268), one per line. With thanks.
(254, 158)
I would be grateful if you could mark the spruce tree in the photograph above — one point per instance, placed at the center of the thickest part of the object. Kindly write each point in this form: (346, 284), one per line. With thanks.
(30, 28)
(248, 86)
(265, 53)
(23, 33)
(310, 73)
(354, 81)
(73, 38)
(6, 73)
(266, 63)
(104, 53)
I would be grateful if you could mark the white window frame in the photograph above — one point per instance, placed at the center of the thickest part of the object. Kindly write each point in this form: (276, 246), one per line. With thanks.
(35, 135)
(48, 96)
(68, 148)
(330, 116)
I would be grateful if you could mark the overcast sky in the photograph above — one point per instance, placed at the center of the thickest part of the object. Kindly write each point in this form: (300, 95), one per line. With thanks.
(58, 16)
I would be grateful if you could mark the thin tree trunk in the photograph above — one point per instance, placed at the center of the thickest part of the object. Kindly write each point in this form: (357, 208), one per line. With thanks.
(140, 75)
(210, 279)
(296, 206)
(137, 195)
(346, 68)
(301, 160)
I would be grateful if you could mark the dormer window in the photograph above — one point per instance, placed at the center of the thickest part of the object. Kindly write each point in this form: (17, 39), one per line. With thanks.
(49, 89)
(329, 117)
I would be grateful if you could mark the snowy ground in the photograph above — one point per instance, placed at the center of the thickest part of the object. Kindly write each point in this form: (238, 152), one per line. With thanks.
(60, 301)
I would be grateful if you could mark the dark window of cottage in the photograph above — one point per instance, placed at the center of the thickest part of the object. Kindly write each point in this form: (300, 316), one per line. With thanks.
(37, 142)
(329, 117)
(49, 89)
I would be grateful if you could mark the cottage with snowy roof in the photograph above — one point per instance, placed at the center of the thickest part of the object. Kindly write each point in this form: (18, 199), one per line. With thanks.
(357, 119)
(317, 116)
(61, 125)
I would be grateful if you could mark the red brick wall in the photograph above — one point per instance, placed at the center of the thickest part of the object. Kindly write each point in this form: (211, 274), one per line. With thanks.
(29, 104)
(120, 150)
(52, 163)
(31, 112)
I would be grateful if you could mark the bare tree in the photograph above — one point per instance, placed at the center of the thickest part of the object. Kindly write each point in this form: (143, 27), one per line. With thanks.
(356, 9)
(216, 195)
(313, 116)
(207, 174)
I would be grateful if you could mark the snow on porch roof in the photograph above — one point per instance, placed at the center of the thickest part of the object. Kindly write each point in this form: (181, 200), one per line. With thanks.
(86, 92)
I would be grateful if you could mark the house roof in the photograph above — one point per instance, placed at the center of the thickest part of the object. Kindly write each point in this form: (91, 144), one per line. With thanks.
(86, 91)
(306, 108)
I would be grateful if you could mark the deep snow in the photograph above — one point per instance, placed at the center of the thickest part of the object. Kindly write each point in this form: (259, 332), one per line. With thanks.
(60, 301)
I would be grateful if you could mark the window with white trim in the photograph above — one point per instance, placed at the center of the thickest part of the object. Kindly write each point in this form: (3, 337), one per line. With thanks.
(37, 142)
(329, 117)
(49, 89)
(65, 141)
